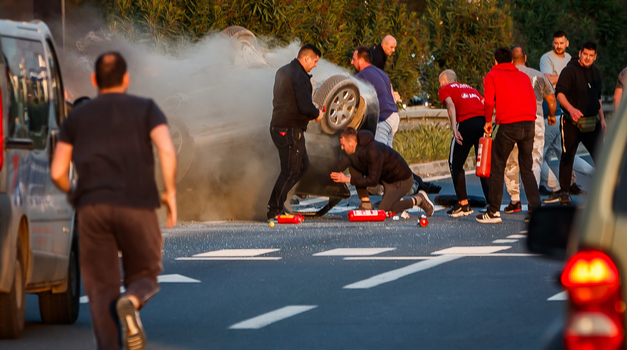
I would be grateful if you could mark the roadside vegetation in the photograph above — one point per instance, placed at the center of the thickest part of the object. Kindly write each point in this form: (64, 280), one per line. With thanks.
(425, 143)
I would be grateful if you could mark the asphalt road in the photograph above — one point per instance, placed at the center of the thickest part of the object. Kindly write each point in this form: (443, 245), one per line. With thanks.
(455, 284)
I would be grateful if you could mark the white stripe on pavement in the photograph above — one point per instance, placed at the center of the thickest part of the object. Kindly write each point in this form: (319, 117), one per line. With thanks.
(517, 236)
(272, 317)
(402, 272)
(389, 257)
(234, 258)
(173, 278)
(353, 251)
(559, 297)
(503, 241)
(236, 252)
(471, 250)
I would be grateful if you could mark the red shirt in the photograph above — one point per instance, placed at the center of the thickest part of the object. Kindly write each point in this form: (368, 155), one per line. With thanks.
(511, 91)
(467, 100)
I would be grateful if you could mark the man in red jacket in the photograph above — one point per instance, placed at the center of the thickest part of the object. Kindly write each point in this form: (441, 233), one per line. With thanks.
(511, 92)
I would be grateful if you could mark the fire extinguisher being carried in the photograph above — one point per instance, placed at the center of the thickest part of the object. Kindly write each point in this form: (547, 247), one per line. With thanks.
(484, 156)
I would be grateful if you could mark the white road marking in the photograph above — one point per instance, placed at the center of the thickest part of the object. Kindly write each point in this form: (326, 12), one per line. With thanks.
(85, 299)
(353, 251)
(470, 250)
(517, 236)
(389, 258)
(173, 278)
(559, 297)
(402, 272)
(258, 258)
(272, 317)
(503, 241)
(236, 252)
(523, 231)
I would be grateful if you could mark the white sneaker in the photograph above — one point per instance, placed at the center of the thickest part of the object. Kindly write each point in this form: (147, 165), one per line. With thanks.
(490, 218)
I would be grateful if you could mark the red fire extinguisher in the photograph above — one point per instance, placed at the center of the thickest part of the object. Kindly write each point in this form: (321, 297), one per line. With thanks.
(290, 219)
(484, 156)
(367, 215)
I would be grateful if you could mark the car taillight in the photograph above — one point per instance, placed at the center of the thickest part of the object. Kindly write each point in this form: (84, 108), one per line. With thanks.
(595, 319)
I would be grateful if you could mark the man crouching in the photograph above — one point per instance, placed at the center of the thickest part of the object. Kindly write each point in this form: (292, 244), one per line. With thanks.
(372, 163)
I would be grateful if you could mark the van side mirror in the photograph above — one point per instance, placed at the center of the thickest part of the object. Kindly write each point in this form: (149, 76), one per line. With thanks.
(549, 229)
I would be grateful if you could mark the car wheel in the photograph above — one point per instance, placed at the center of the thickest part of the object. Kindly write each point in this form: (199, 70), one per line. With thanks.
(13, 304)
(242, 35)
(339, 95)
(62, 308)
(183, 144)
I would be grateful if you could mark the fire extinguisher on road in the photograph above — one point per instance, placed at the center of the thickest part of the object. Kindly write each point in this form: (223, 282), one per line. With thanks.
(484, 156)
(367, 215)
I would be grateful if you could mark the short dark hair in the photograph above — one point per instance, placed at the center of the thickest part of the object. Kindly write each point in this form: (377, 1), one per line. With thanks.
(559, 34)
(110, 70)
(363, 52)
(349, 133)
(589, 45)
(503, 55)
(309, 50)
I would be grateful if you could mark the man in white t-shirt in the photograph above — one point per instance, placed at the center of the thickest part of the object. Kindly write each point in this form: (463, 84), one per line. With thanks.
(551, 64)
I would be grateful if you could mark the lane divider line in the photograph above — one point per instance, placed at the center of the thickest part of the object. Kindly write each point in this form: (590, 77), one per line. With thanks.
(273, 316)
(517, 236)
(504, 241)
(559, 297)
(237, 252)
(353, 251)
(234, 258)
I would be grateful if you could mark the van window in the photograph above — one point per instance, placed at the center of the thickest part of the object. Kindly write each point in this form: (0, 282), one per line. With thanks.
(28, 81)
(620, 195)
(58, 97)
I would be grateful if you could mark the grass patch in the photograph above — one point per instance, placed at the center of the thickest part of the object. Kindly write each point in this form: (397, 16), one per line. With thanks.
(426, 143)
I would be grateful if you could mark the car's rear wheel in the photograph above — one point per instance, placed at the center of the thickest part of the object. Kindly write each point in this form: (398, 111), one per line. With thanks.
(183, 144)
(62, 308)
(13, 304)
(339, 95)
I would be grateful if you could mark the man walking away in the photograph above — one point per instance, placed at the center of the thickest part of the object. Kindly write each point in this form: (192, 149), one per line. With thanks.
(551, 65)
(579, 92)
(109, 141)
(379, 53)
(293, 109)
(465, 111)
(543, 91)
(510, 91)
(388, 114)
(620, 90)
(372, 163)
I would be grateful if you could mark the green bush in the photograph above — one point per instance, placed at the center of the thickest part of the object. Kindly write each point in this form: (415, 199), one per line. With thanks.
(426, 143)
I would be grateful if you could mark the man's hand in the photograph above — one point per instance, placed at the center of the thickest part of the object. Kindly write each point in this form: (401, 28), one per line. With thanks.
(458, 136)
(551, 120)
(169, 200)
(604, 126)
(340, 177)
(488, 128)
(575, 114)
(320, 115)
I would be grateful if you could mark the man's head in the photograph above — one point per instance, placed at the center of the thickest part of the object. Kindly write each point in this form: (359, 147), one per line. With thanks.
(588, 54)
(519, 57)
(503, 55)
(361, 58)
(308, 56)
(560, 42)
(447, 77)
(348, 140)
(110, 73)
(388, 44)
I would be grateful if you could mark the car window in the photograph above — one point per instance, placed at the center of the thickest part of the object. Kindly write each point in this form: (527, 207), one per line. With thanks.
(57, 98)
(620, 194)
(28, 81)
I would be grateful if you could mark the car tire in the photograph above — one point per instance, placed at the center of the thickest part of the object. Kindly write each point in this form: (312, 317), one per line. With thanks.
(183, 144)
(340, 96)
(62, 308)
(241, 34)
(13, 304)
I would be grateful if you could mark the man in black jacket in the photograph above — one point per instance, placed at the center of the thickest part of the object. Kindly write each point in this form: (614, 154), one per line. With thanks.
(372, 163)
(293, 109)
(579, 92)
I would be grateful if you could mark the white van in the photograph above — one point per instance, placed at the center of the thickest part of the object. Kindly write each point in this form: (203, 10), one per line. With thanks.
(38, 238)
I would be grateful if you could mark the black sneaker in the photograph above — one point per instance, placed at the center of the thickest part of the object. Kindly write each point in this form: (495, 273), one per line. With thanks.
(553, 198)
(513, 207)
(565, 199)
(460, 210)
(490, 218)
(544, 191)
(133, 335)
(575, 190)
(425, 202)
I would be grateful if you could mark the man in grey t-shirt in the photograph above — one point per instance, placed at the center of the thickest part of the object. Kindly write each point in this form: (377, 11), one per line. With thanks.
(551, 64)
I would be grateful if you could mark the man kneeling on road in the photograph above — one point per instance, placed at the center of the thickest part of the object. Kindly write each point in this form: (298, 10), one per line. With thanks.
(371, 163)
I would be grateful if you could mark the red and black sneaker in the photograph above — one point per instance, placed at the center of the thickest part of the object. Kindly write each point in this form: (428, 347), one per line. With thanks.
(513, 207)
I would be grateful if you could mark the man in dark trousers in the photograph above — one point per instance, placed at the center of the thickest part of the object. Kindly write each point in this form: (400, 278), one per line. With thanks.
(372, 163)
(110, 140)
(465, 111)
(511, 92)
(579, 92)
(293, 109)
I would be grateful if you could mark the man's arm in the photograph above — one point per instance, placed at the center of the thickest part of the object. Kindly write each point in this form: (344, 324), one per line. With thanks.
(546, 67)
(551, 101)
(160, 136)
(452, 116)
(303, 99)
(602, 116)
(618, 95)
(574, 112)
(59, 170)
(489, 102)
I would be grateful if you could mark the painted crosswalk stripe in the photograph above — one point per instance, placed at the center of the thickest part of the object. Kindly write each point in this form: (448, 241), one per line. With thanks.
(172, 278)
(272, 317)
(389, 257)
(470, 250)
(517, 236)
(402, 272)
(559, 297)
(504, 241)
(236, 252)
(243, 258)
(353, 251)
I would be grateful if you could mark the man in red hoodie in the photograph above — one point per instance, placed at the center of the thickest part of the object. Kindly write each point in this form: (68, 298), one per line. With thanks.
(510, 91)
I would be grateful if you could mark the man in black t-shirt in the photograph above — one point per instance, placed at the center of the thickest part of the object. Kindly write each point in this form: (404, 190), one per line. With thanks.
(109, 141)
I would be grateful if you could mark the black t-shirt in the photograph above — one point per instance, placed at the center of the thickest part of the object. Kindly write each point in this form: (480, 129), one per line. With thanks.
(582, 88)
(378, 57)
(112, 150)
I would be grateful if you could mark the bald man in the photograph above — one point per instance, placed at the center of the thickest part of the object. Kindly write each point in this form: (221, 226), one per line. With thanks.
(466, 113)
(379, 53)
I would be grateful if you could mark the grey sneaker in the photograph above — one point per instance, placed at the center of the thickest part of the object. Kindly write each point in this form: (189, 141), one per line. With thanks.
(425, 202)
(553, 197)
(133, 335)
(460, 210)
(489, 218)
